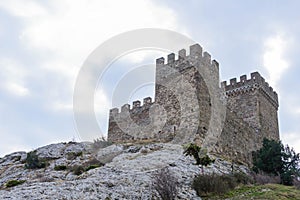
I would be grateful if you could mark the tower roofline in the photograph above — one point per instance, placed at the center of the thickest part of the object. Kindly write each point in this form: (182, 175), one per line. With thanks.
(256, 81)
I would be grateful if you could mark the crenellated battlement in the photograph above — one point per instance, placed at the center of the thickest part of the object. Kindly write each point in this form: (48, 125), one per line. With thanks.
(183, 60)
(125, 109)
(183, 80)
(255, 82)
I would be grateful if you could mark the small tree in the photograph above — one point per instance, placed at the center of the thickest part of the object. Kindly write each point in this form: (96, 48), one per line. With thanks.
(273, 158)
(195, 151)
(33, 161)
(268, 158)
(290, 165)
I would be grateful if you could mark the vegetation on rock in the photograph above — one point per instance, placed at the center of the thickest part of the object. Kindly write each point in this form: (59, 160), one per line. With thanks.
(201, 158)
(13, 183)
(165, 184)
(78, 169)
(207, 184)
(60, 167)
(34, 162)
(268, 191)
(73, 155)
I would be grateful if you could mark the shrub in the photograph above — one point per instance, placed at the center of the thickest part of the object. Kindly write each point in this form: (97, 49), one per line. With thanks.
(165, 184)
(262, 178)
(92, 164)
(13, 183)
(33, 162)
(287, 178)
(205, 184)
(60, 167)
(78, 169)
(193, 150)
(73, 155)
(297, 183)
(242, 178)
(201, 158)
(100, 143)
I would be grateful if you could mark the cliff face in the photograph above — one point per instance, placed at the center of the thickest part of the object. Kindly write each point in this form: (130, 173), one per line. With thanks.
(115, 172)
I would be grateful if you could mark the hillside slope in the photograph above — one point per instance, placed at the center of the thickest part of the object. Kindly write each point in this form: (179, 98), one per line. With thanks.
(127, 172)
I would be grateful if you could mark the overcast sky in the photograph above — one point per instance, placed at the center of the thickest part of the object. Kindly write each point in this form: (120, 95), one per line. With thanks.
(43, 45)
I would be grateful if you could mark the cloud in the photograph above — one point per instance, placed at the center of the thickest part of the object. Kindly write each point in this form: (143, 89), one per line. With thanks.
(273, 58)
(52, 40)
(13, 77)
(62, 33)
(19, 8)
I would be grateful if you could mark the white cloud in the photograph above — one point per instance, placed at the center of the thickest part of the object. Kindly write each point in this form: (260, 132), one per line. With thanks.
(20, 8)
(273, 58)
(13, 77)
(62, 33)
(16, 89)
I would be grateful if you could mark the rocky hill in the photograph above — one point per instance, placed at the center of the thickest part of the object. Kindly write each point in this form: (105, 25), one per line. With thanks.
(84, 171)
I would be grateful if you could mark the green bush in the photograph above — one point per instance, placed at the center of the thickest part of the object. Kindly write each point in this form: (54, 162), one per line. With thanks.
(92, 164)
(60, 167)
(13, 183)
(206, 184)
(78, 169)
(287, 178)
(242, 178)
(195, 151)
(73, 155)
(33, 161)
(273, 158)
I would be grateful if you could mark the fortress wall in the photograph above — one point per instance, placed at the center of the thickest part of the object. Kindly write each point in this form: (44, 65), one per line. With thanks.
(268, 117)
(183, 92)
(237, 140)
(188, 108)
(132, 123)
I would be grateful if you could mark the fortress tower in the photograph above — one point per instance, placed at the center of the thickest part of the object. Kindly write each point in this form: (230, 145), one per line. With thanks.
(188, 101)
(254, 101)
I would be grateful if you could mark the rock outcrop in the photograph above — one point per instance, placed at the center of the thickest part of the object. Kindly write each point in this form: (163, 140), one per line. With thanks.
(126, 172)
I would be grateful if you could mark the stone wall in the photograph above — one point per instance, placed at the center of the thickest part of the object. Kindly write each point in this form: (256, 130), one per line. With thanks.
(190, 106)
(254, 102)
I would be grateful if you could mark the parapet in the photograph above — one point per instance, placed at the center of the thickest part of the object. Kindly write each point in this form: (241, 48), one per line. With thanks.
(196, 54)
(245, 85)
(147, 102)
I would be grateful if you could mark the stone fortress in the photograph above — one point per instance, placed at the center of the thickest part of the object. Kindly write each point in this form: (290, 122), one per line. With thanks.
(228, 119)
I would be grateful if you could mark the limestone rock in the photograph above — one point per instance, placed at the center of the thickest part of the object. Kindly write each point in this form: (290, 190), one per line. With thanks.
(127, 174)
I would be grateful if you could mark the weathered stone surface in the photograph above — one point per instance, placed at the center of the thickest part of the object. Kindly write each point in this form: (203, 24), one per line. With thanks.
(230, 120)
(128, 175)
